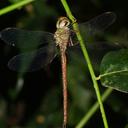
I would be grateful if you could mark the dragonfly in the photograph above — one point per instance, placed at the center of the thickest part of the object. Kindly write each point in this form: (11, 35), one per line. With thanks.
(39, 48)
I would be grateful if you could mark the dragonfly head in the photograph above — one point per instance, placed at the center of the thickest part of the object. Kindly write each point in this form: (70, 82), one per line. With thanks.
(63, 22)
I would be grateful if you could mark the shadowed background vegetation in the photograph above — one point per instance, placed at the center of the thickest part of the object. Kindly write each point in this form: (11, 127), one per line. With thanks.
(35, 99)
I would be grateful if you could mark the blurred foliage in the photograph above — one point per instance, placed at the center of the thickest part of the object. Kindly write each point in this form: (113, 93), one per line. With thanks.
(14, 1)
(37, 101)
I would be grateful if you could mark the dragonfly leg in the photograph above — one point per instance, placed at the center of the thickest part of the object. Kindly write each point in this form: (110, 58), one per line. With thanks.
(74, 21)
(70, 42)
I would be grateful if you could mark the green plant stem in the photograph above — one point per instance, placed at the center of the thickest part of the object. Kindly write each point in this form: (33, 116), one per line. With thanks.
(93, 109)
(14, 6)
(86, 56)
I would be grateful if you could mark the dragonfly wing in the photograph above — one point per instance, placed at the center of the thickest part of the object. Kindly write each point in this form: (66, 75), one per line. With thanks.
(97, 24)
(25, 39)
(32, 61)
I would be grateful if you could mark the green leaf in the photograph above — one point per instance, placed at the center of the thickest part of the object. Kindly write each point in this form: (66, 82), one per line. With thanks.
(114, 70)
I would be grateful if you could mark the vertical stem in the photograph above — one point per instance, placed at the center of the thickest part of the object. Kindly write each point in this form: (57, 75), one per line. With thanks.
(65, 94)
(96, 87)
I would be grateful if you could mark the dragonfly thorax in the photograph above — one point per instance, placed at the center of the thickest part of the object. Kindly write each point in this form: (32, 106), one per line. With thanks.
(62, 34)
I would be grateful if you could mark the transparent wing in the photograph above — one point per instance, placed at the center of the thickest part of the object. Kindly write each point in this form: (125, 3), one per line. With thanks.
(24, 39)
(96, 25)
(32, 61)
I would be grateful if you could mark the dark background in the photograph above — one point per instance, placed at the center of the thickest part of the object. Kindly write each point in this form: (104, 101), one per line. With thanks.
(38, 101)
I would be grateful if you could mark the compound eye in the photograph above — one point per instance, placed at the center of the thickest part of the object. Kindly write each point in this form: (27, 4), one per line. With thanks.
(64, 23)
